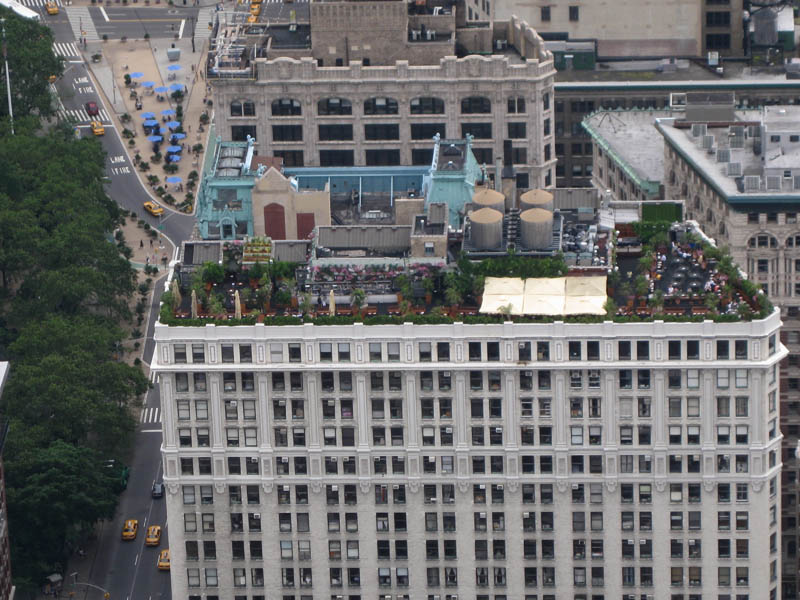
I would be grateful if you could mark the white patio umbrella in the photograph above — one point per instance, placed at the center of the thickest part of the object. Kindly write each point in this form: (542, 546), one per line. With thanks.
(194, 304)
(332, 304)
(237, 305)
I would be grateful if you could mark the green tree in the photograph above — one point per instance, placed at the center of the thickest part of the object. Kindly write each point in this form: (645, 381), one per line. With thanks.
(31, 61)
(55, 494)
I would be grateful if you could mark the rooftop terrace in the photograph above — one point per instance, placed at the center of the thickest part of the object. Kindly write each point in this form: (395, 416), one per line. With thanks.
(659, 272)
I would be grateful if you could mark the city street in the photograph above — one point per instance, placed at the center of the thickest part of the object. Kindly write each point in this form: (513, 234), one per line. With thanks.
(126, 569)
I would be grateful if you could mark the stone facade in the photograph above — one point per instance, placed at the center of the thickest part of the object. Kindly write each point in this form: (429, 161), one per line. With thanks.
(461, 460)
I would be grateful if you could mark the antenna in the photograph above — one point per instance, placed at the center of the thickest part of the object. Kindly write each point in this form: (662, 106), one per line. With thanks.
(8, 76)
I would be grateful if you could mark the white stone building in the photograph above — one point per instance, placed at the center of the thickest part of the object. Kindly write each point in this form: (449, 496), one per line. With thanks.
(548, 461)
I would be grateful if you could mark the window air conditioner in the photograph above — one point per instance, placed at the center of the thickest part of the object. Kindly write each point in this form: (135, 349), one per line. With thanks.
(335, 488)
(256, 515)
(281, 402)
(481, 487)
(395, 487)
(286, 488)
(284, 459)
(346, 459)
(482, 515)
(234, 404)
(500, 487)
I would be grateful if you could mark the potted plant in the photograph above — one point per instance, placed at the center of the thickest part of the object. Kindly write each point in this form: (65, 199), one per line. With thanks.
(264, 292)
(429, 284)
(453, 297)
(127, 80)
(215, 306)
(357, 299)
(213, 273)
(305, 303)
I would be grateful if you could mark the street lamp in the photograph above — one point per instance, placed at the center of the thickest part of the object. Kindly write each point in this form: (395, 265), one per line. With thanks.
(74, 575)
(8, 76)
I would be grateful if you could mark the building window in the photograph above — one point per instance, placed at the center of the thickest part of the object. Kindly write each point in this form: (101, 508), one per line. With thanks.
(574, 13)
(427, 105)
(718, 19)
(291, 158)
(240, 133)
(287, 133)
(516, 105)
(383, 157)
(336, 158)
(381, 131)
(481, 131)
(336, 132)
(482, 155)
(476, 105)
(718, 41)
(425, 131)
(380, 106)
(286, 107)
(517, 130)
(545, 14)
(334, 106)
(243, 108)
(421, 156)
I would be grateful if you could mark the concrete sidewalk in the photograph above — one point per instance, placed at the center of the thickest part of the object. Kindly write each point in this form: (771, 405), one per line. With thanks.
(150, 58)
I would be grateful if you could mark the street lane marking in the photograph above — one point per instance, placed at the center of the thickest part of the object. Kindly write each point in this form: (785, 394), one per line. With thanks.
(136, 560)
(150, 431)
(103, 12)
(180, 33)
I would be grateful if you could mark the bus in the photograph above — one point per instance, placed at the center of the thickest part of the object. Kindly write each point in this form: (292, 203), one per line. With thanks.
(22, 11)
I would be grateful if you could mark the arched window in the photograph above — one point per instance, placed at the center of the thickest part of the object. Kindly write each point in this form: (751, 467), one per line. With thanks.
(334, 106)
(763, 240)
(286, 107)
(427, 105)
(473, 105)
(243, 108)
(380, 106)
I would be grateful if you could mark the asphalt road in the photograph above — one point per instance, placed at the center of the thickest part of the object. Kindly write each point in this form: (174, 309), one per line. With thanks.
(127, 569)
(160, 22)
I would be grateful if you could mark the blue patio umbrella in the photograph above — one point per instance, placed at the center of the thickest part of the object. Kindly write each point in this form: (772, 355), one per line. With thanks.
(175, 87)
(163, 131)
(162, 89)
(148, 84)
(174, 68)
(174, 124)
(167, 112)
(174, 148)
(174, 157)
(174, 179)
(137, 75)
(150, 123)
(148, 115)
(178, 136)
(155, 138)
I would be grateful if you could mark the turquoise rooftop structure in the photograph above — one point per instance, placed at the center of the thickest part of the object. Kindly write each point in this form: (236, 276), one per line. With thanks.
(452, 177)
(225, 207)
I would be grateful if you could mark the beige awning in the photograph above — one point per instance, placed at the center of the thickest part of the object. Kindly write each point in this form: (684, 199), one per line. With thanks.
(551, 296)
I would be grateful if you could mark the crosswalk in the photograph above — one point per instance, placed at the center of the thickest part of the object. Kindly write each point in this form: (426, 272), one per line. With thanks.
(79, 115)
(204, 17)
(79, 17)
(38, 3)
(67, 50)
(150, 415)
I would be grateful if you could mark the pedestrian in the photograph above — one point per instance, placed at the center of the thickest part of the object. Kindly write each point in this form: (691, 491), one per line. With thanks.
(147, 260)
(151, 242)
(141, 243)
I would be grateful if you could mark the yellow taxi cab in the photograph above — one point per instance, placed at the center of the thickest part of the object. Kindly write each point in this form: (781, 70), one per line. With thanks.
(153, 208)
(153, 537)
(163, 560)
(130, 529)
(52, 8)
(255, 9)
(252, 19)
(52, 79)
(97, 128)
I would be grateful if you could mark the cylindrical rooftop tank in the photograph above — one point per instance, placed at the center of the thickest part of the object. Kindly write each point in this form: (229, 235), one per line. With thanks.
(536, 199)
(488, 198)
(536, 225)
(487, 229)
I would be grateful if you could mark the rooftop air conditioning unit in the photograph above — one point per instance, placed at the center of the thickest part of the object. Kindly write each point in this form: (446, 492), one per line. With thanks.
(501, 44)
(734, 169)
(415, 34)
(430, 34)
(698, 129)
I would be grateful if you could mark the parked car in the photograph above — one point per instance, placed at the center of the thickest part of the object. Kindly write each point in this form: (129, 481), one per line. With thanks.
(153, 208)
(158, 490)
(130, 529)
(163, 560)
(153, 537)
(91, 109)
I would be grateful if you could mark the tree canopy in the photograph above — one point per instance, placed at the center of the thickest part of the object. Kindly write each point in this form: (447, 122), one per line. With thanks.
(64, 291)
(31, 62)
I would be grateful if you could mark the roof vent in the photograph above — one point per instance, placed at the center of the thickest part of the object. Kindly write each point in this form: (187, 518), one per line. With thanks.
(773, 183)
(734, 169)
(752, 183)
(698, 129)
(723, 155)
(708, 141)
(796, 181)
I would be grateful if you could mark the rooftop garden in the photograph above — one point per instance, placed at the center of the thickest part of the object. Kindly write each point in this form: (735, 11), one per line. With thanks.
(653, 279)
